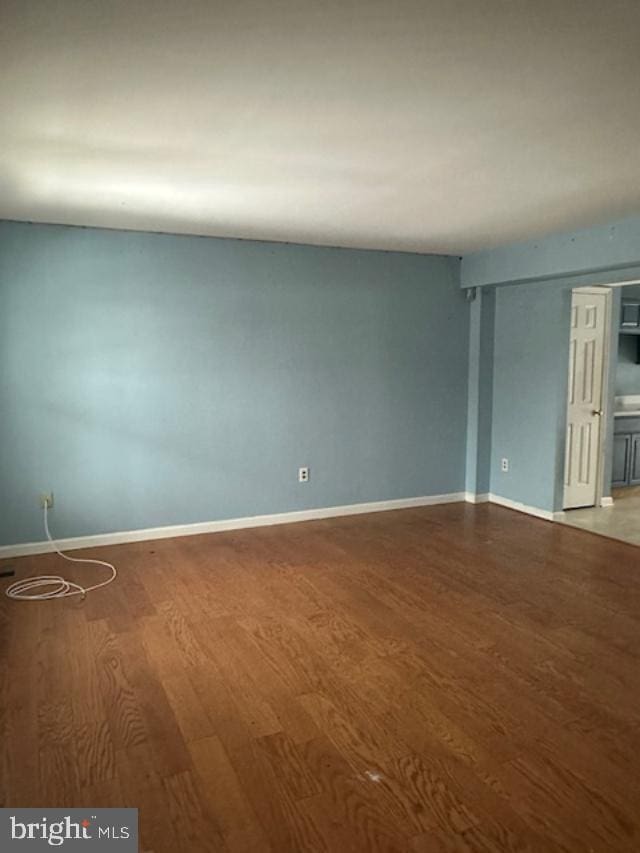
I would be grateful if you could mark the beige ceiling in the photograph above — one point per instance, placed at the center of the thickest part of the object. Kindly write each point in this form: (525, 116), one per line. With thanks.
(429, 126)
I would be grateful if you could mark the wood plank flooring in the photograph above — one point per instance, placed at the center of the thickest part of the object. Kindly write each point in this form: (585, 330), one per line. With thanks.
(453, 679)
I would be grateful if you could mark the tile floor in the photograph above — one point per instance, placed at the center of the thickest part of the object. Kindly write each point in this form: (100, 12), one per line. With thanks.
(620, 521)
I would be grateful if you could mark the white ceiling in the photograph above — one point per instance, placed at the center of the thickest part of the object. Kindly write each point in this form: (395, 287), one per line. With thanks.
(426, 125)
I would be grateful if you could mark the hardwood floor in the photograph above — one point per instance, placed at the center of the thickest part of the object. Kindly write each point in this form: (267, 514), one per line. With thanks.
(455, 678)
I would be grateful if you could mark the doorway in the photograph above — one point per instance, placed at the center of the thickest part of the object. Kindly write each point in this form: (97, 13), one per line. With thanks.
(615, 510)
(588, 353)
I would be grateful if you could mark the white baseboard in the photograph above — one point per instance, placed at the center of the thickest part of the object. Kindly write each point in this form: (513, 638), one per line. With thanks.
(608, 501)
(473, 498)
(520, 507)
(487, 497)
(119, 538)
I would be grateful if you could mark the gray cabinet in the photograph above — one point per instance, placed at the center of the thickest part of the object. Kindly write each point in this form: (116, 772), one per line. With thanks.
(621, 460)
(630, 322)
(634, 466)
(626, 452)
(630, 316)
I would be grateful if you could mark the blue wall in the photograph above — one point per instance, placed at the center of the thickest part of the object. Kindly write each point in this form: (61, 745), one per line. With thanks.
(614, 248)
(529, 390)
(480, 391)
(531, 356)
(151, 379)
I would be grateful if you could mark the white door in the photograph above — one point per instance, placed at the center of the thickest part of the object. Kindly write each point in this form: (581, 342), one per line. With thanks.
(584, 413)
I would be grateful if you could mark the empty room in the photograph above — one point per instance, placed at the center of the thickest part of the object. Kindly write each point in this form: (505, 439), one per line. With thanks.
(320, 426)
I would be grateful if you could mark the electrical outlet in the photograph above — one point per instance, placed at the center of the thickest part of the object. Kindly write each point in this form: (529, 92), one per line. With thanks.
(46, 499)
(505, 464)
(303, 475)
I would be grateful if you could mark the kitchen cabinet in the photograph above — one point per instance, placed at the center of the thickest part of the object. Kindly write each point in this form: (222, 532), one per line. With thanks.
(630, 321)
(621, 460)
(634, 464)
(626, 452)
(630, 315)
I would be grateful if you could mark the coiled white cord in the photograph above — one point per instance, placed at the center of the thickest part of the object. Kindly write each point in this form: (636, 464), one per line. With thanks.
(55, 586)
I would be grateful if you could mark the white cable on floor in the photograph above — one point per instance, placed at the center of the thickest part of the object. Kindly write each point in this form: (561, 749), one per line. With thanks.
(28, 589)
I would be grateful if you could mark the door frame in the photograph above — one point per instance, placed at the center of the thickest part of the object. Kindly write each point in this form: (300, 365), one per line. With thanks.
(606, 291)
